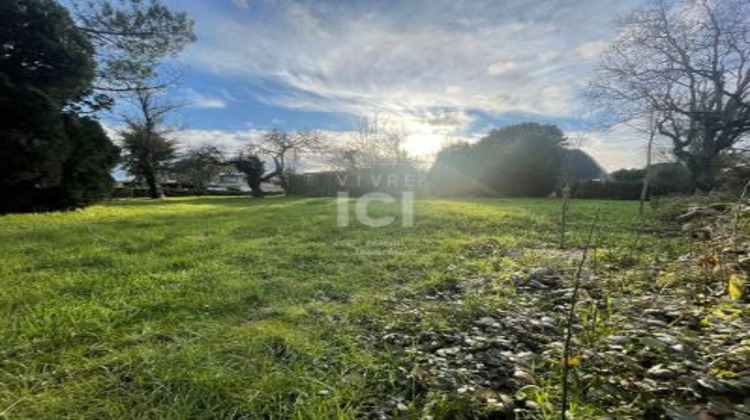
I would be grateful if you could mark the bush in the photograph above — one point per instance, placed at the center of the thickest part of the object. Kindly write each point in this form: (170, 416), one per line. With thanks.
(667, 179)
(143, 192)
(668, 207)
(616, 190)
(52, 158)
(520, 160)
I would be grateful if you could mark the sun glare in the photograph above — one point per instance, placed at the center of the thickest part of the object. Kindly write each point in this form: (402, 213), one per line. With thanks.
(424, 144)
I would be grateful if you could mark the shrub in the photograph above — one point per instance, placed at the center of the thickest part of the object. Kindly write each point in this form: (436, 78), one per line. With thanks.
(616, 190)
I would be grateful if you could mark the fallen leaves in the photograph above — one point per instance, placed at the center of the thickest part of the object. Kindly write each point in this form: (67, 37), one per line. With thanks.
(737, 286)
(653, 340)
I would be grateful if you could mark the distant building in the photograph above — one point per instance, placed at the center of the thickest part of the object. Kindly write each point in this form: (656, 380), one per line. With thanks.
(229, 179)
(235, 181)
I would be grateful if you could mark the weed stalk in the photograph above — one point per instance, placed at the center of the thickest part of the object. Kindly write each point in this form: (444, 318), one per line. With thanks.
(571, 314)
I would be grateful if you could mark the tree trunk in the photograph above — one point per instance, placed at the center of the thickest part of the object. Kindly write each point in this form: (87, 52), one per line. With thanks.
(647, 175)
(702, 171)
(154, 189)
(255, 189)
(276, 173)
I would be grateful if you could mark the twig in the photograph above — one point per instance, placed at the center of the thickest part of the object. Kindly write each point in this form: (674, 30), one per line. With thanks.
(564, 214)
(737, 214)
(647, 174)
(571, 314)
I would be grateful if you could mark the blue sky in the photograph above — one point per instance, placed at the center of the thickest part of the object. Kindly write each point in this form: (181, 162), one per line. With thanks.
(444, 70)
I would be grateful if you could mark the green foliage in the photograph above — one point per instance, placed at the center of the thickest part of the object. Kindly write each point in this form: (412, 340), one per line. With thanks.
(254, 169)
(86, 176)
(32, 138)
(579, 166)
(132, 37)
(199, 166)
(449, 175)
(47, 67)
(42, 32)
(670, 178)
(616, 190)
(518, 160)
(629, 175)
(40, 146)
(147, 153)
(666, 178)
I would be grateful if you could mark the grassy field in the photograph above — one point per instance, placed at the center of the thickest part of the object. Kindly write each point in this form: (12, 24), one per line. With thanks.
(232, 307)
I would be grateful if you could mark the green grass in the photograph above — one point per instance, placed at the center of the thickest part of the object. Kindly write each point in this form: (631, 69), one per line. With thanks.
(232, 307)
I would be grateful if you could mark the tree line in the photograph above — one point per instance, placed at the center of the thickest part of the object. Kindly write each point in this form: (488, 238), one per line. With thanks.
(59, 69)
(273, 156)
(518, 160)
(680, 68)
(199, 166)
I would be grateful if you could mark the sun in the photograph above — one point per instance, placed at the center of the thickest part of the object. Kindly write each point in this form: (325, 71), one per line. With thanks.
(424, 144)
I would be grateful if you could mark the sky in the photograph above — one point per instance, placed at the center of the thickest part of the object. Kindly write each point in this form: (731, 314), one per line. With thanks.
(443, 70)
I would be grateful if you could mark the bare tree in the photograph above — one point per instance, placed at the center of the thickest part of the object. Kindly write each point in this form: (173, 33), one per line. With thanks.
(146, 140)
(200, 165)
(688, 62)
(284, 151)
(375, 143)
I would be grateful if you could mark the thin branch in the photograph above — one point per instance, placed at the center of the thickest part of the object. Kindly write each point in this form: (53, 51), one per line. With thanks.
(737, 214)
(647, 175)
(572, 311)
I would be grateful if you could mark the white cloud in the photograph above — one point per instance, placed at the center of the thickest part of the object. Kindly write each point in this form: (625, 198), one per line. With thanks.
(301, 18)
(358, 57)
(232, 141)
(198, 100)
(591, 49)
(503, 67)
(453, 89)
(427, 64)
(242, 4)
